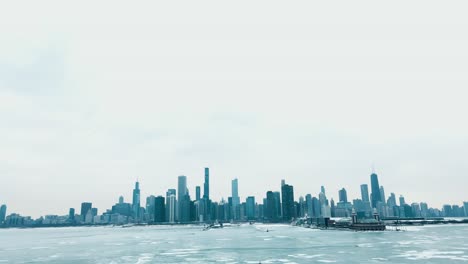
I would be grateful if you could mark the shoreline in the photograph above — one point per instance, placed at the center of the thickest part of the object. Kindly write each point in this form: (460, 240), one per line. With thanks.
(138, 224)
(389, 223)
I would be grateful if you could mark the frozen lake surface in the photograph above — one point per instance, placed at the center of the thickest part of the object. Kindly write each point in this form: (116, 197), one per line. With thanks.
(238, 244)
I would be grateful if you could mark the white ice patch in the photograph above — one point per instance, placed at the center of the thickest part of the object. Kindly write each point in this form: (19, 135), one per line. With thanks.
(275, 261)
(144, 259)
(305, 256)
(434, 254)
(365, 245)
(380, 259)
(181, 252)
(224, 260)
(36, 248)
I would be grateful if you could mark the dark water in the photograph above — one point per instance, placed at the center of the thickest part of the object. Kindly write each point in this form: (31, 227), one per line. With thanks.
(239, 244)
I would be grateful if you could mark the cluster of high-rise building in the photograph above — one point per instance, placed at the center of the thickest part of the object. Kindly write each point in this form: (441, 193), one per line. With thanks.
(177, 206)
(3, 209)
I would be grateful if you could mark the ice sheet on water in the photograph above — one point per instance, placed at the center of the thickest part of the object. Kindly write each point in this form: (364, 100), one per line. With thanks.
(244, 244)
(434, 254)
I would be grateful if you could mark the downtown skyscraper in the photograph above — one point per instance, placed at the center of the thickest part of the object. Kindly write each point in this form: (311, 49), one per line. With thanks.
(365, 207)
(271, 209)
(375, 188)
(183, 200)
(197, 193)
(171, 205)
(364, 193)
(3, 209)
(206, 185)
(250, 208)
(85, 208)
(136, 201)
(287, 198)
(235, 199)
(159, 210)
(343, 196)
(205, 203)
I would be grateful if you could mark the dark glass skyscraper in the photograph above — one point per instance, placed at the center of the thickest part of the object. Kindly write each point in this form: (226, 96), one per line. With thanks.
(185, 209)
(402, 200)
(364, 193)
(250, 207)
(71, 215)
(343, 195)
(382, 194)
(270, 207)
(316, 207)
(206, 185)
(3, 209)
(277, 196)
(159, 210)
(197, 193)
(375, 188)
(181, 187)
(309, 205)
(122, 209)
(136, 201)
(235, 199)
(392, 200)
(85, 207)
(181, 196)
(150, 207)
(287, 198)
(206, 197)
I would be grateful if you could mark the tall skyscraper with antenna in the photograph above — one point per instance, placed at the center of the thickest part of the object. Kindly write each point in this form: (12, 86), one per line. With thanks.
(136, 201)
(206, 196)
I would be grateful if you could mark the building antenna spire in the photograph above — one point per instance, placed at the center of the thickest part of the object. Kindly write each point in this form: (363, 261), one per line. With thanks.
(373, 168)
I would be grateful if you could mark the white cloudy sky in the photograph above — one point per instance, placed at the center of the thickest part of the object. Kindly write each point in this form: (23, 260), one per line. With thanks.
(97, 94)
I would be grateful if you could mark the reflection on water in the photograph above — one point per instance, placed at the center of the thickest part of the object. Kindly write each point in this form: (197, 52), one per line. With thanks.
(238, 244)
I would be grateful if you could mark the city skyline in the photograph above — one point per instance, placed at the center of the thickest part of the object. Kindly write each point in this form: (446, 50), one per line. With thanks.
(287, 198)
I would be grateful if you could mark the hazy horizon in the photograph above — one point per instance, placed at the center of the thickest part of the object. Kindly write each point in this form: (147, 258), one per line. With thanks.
(94, 96)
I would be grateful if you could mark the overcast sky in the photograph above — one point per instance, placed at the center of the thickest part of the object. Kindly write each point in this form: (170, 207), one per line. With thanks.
(95, 95)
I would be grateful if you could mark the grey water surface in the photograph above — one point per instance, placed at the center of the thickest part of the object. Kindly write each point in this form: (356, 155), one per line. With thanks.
(236, 244)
